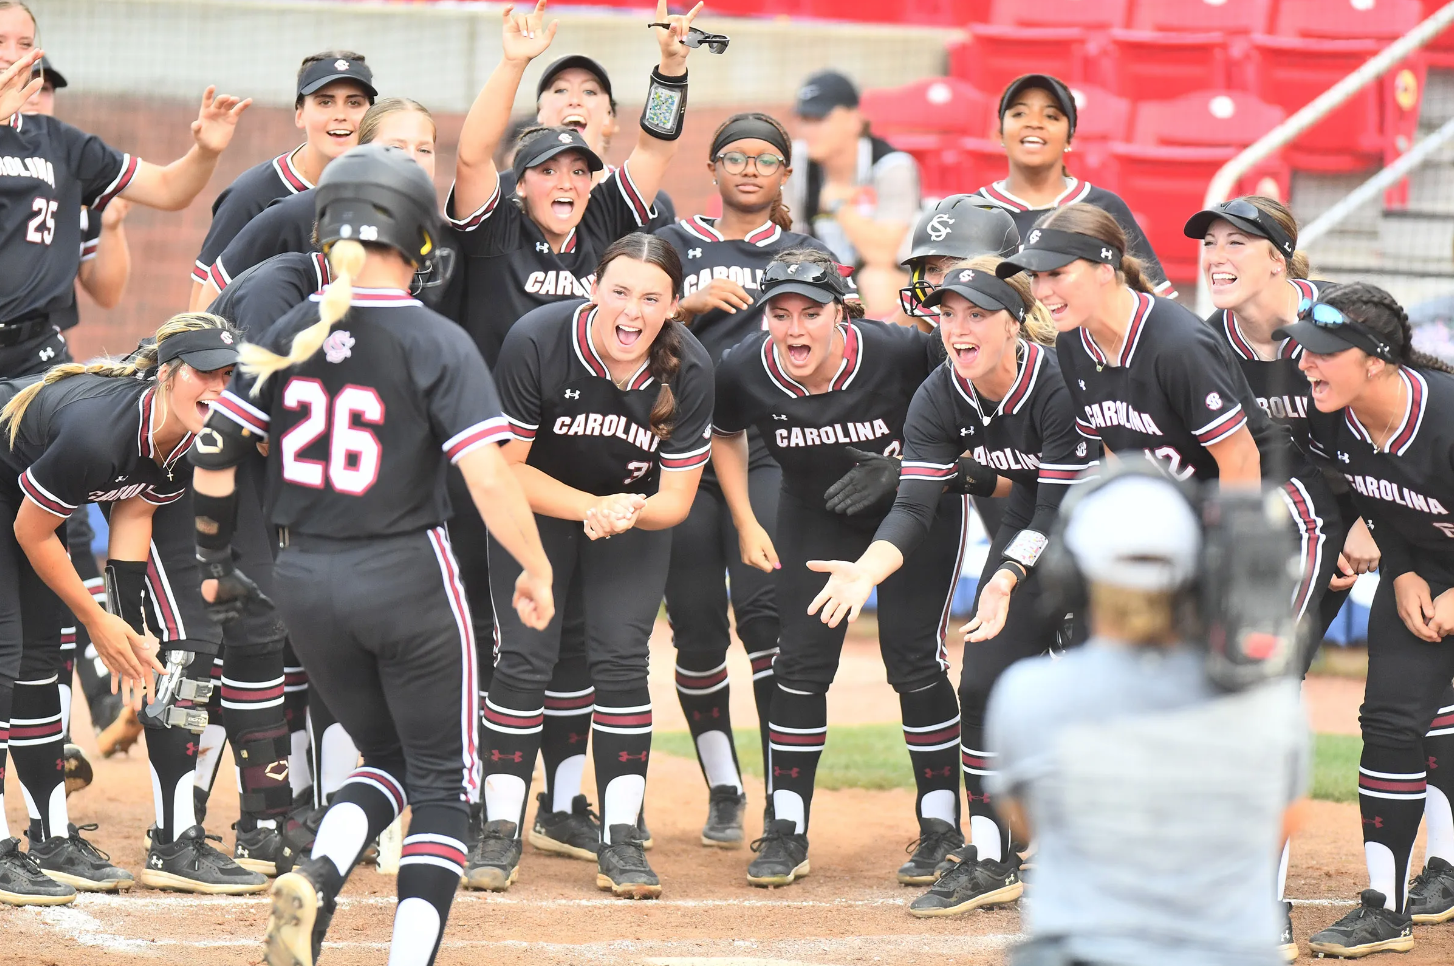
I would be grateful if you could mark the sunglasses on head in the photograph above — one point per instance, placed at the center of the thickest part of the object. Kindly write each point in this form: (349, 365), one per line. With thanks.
(696, 37)
(1271, 230)
(1326, 316)
(807, 272)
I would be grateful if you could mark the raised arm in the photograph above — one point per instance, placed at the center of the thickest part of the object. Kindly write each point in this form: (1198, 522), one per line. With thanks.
(105, 274)
(523, 38)
(173, 187)
(666, 101)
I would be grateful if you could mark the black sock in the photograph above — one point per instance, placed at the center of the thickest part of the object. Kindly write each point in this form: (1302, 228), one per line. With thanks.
(513, 723)
(989, 835)
(7, 702)
(705, 692)
(621, 746)
(1439, 760)
(931, 732)
(430, 866)
(1391, 790)
(569, 700)
(798, 729)
(362, 807)
(37, 746)
(173, 756)
(760, 639)
(252, 701)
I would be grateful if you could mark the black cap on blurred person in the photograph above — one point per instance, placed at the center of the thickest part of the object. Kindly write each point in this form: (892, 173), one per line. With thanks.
(1053, 86)
(56, 79)
(581, 61)
(824, 91)
(321, 73)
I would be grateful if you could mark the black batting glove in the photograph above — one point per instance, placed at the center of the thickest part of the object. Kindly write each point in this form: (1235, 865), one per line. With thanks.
(874, 478)
(237, 593)
(975, 478)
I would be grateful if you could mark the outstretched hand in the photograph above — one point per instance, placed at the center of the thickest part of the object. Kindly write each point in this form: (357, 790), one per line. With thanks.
(673, 50)
(525, 36)
(844, 594)
(217, 120)
(16, 84)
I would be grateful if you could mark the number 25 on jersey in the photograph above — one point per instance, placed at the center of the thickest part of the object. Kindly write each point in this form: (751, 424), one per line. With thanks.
(41, 229)
(352, 466)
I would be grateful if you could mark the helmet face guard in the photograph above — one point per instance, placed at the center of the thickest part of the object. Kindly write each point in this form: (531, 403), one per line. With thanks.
(912, 296)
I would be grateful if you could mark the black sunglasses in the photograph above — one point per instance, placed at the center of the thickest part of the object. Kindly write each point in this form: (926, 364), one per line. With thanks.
(1326, 316)
(807, 272)
(696, 37)
(1271, 230)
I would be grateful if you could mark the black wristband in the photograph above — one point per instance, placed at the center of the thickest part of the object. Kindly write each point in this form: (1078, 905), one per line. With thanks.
(665, 107)
(215, 563)
(216, 519)
(126, 591)
(975, 478)
(1014, 567)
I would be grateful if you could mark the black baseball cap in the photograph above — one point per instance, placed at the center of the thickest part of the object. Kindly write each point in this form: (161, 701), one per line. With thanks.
(1244, 216)
(1325, 329)
(321, 73)
(544, 145)
(1048, 248)
(205, 350)
(984, 289)
(49, 72)
(1053, 86)
(824, 91)
(582, 62)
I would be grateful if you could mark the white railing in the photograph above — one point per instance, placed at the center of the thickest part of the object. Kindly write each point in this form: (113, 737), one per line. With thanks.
(1320, 107)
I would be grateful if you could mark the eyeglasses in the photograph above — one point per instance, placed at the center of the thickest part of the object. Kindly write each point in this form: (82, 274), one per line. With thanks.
(1326, 316)
(735, 162)
(696, 37)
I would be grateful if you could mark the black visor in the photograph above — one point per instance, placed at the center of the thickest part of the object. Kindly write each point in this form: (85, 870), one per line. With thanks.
(205, 350)
(1245, 217)
(981, 288)
(1047, 248)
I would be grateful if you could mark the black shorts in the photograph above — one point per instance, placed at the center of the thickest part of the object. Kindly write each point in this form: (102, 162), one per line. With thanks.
(383, 628)
(913, 603)
(620, 582)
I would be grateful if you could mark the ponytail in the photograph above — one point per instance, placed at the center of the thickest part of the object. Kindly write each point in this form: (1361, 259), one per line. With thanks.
(779, 214)
(346, 259)
(666, 359)
(1086, 219)
(1134, 274)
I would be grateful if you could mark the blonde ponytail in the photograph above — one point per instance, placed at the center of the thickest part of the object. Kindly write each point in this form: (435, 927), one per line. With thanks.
(346, 259)
(1037, 326)
(136, 365)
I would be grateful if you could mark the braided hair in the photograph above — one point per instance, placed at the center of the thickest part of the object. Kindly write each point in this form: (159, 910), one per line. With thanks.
(1386, 318)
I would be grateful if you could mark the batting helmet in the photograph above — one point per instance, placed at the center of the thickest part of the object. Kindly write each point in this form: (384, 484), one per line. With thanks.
(379, 195)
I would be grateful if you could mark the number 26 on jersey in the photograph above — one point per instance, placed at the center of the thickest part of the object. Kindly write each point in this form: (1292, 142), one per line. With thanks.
(352, 466)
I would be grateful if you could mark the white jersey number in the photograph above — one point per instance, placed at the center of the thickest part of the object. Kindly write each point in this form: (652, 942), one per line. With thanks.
(41, 230)
(353, 451)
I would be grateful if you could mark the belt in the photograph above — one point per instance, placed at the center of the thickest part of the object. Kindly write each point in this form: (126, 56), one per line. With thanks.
(21, 330)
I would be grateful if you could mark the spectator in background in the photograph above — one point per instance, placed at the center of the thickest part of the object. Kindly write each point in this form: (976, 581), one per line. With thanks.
(857, 194)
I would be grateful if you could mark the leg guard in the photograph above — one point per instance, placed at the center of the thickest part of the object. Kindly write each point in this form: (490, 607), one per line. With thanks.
(262, 766)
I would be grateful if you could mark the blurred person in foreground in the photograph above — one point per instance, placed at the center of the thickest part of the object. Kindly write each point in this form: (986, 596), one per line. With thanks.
(1158, 774)
(858, 194)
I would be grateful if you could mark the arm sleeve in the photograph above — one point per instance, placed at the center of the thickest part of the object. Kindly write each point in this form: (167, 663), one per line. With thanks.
(617, 207)
(464, 410)
(103, 171)
(690, 446)
(1140, 247)
(1203, 391)
(931, 462)
(517, 380)
(896, 188)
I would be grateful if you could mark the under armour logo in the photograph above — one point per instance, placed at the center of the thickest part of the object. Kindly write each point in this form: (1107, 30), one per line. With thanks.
(694, 253)
(575, 738)
(778, 416)
(938, 227)
(47, 354)
(779, 772)
(946, 771)
(154, 861)
(1107, 254)
(978, 798)
(626, 756)
(340, 65)
(517, 757)
(542, 247)
(967, 431)
(1376, 821)
(1034, 237)
(1343, 457)
(1432, 763)
(572, 394)
(191, 750)
(1082, 384)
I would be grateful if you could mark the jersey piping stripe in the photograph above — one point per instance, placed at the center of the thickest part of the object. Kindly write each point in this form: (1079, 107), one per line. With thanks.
(591, 359)
(1310, 533)
(1075, 191)
(919, 470)
(1221, 427)
(1032, 358)
(241, 412)
(765, 235)
(44, 498)
(777, 375)
(118, 184)
(852, 357)
(472, 220)
(640, 209)
(163, 601)
(201, 272)
(686, 461)
(1066, 473)
(218, 275)
(16, 120)
(1086, 429)
(496, 429)
(1139, 315)
(150, 495)
(700, 226)
(1235, 338)
(1413, 418)
(143, 426)
(322, 270)
(89, 247)
(469, 709)
(288, 175)
(519, 430)
(941, 639)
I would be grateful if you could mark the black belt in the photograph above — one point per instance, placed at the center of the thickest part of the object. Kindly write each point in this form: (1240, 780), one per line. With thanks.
(21, 330)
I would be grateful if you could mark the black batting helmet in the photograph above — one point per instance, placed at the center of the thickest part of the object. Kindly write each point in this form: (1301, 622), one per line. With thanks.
(378, 194)
(961, 227)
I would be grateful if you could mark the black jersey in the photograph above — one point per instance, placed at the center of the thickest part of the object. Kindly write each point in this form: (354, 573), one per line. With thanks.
(270, 289)
(91, 439)
(1025, 216)
(48, 171)
(242, 201)
(584, 430)
(809, 433)
(1173, 391)
(1029, 437)
(1404, 489)
(286, 225)
(356, 432)
(510, 268)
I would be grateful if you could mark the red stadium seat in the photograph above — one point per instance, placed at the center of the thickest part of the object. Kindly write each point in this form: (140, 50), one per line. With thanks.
(947, 13)
(1163, 186)
(1167, 64)
(994, 55)
(1347, 19)
(1091, 14)
(1224, 16)
(1440, 51)
(1102, 118)
(952, 164)
(945, 105)
(1206, 119)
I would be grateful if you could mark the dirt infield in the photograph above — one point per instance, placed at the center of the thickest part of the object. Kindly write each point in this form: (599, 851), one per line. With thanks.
(848, 911)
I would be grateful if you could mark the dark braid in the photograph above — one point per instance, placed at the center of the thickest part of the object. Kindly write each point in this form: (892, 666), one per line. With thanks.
(1386, 318)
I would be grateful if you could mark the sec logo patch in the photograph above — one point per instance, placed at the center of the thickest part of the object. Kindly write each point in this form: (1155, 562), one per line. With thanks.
(1214, 401)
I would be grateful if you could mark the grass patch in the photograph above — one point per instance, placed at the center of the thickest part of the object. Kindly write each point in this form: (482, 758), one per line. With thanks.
(873, 756)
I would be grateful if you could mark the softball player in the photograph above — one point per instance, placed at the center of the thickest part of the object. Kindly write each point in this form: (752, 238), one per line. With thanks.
(112, 434)
(1037, 122)
(828, 394)
(1387, 430)
(723, 259)
(610, 403)
(955, 229)
(1002, 400)
(366, 578)
(335, 89)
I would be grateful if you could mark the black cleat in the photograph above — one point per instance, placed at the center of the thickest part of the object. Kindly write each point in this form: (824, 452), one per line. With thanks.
(1431, 896)
(937, 839)
(1287, 943)
(494, 861)
(576, 834)
(104, 710)
(22, 883)
(782, 855)
(263, 850)
(78, 769)
(1368, 929)
(303, 904)
(621, 867)
(642, 832)
(972, 883)
(189, 864)
(71, 859)
(725, 808)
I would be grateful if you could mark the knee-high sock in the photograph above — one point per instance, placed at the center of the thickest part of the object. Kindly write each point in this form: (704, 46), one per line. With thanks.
(363, 807)
(1439, 760)
(931, 731)
(760, 639)
(798, 729)
(7, 702)
(569, 701)
(513, 722)
(704, 692)
(295, 712)
(252, 703)
(430, 866)
(332, 755)
(1391, 789)
(213, 737)
(621, 744)
(37, 746)
(485, 665)
(173, 756)
(63, 680)
(989, 835)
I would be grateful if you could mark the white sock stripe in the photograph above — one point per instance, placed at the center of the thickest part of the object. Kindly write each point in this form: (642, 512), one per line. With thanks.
(1409, 776)
(54, 678)
(939, 747)
(252, 685)
(759, 675)
(434, 860)
(567, 694)
(935, 727)
(36, 721)
(634, 709)
(512, 712)
(701, 674)
(711, 690)
(1398, 796)
(754, 655)
(978, 754)
(437, 839)
(784, 687)
(378, 786)
(569, 712)
(252, 705)
(797, 731)
(777, 747)
(612, 730)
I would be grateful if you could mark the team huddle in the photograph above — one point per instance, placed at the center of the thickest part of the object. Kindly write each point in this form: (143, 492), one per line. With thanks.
(393, 507)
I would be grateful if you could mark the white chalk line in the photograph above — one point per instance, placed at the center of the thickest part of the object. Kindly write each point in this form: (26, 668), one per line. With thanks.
(87, 901)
